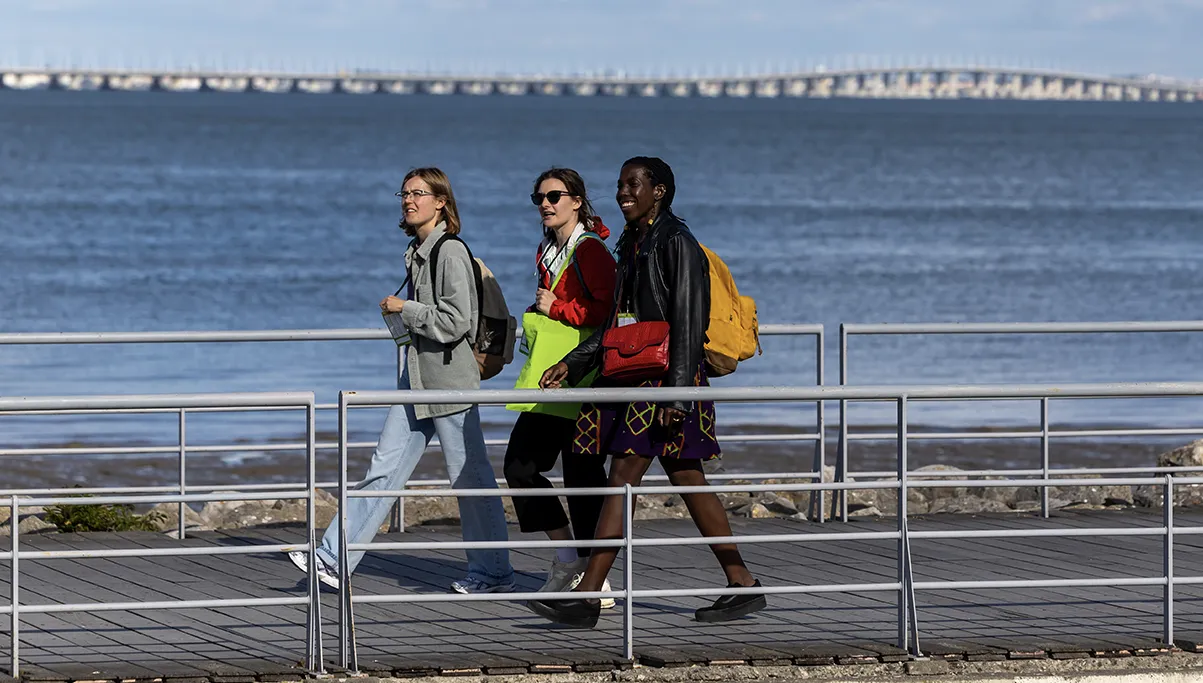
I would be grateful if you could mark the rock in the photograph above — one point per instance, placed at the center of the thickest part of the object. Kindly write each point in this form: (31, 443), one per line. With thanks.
(215, 511)
(937, 494)
(865, 512)
(801, 499)
(323, 498)
(1153, 495)
(166, 517)
(968, 505)
(1093, 495)
(917, 503)
(5, 514)
(260, 512)
(778, 505)
(35, 525)
(1013, 496)
(754, 511)
(1190, 455)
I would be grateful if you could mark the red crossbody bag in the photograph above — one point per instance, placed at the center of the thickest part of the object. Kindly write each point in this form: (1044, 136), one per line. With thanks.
(635, 352)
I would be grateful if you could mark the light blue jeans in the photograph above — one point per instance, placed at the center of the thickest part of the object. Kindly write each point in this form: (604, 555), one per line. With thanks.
(402, 443)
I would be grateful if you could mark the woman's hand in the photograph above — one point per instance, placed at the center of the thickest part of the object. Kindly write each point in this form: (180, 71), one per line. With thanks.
(544, 298)
(554, 377)
(392, 304)
(670, 418)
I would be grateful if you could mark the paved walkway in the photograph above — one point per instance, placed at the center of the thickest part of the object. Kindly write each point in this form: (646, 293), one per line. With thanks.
(232, 645)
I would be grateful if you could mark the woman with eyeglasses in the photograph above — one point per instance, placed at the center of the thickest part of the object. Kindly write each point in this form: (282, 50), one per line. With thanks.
(575, 275)
(439, 317)
(663, 277)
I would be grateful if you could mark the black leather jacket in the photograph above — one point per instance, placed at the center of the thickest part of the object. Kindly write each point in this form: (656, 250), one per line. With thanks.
(669, 280)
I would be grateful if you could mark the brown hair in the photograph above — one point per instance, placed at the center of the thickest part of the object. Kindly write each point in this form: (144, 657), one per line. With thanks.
(440, 185)
(576, 187)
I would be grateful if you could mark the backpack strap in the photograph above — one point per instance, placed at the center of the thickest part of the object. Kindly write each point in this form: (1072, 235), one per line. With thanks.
(434, 271)
(576, 264)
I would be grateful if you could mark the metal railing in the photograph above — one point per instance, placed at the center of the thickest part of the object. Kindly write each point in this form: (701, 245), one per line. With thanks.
(297, 401)
(1044, 433)
(181, 448)
(905, 586)
(900, 480)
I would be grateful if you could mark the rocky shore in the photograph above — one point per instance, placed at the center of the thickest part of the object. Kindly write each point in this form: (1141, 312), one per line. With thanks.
(779, 504)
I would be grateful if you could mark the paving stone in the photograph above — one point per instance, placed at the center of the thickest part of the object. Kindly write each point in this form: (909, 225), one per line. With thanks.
(1189, 642)
(590, 661)
(931, 667)
(668, 658)
(542, 663)
(885, 652)
(952, 650)
(757, 655)
(506, 670)
(36, 674)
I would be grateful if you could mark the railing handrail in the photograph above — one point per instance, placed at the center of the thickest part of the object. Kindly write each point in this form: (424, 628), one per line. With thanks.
(222, 336)
(1118, 326)
(297, 399)
(764, 394)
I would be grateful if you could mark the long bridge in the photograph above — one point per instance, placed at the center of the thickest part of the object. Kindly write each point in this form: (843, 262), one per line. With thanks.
(914, 82)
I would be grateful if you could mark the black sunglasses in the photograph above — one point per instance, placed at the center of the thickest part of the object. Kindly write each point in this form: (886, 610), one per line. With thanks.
(554, 196)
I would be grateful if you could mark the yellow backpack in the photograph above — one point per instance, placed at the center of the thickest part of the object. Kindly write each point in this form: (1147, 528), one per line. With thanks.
(734, 332)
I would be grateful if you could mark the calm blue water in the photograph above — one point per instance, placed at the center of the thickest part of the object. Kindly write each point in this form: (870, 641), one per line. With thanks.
(210, 212)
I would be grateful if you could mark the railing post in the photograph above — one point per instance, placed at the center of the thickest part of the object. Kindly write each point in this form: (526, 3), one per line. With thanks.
(821, 428)
(398, 512)
(1044, 456)
(903, 581)
(839, 499)
(345, 659)
(14, 591)
(316, 662)
(1168, 608)
(628, 573)
(183, 429)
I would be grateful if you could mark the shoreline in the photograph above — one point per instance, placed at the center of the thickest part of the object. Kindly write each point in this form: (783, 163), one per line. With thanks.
(254, 465)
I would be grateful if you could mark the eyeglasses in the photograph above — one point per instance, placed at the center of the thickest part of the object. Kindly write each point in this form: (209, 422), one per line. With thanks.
(412, 194)
(554, 197)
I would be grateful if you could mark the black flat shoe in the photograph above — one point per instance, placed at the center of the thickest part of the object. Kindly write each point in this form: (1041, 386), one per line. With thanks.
(574, 613)
(729, 607)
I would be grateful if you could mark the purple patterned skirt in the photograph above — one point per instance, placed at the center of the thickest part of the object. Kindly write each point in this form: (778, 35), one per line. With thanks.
(631, 429)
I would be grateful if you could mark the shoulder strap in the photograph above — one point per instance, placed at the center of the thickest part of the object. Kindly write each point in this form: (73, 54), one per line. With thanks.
(434, 264)
(576, 264)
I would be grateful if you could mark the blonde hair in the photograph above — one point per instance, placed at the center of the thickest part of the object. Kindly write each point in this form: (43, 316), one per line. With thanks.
(440, 185)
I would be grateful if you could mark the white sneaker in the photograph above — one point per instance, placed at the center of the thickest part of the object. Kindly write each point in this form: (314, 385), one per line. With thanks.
(326, 575)
(564, 576)
(470, 585)
(607, 603)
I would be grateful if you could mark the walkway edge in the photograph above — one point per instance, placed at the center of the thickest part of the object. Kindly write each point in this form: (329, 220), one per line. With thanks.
(1175, 668)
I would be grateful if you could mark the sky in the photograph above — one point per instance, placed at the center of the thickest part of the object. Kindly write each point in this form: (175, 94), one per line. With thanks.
(587, 36)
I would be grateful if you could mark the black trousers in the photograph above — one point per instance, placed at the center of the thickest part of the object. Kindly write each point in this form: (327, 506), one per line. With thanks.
(535, 444)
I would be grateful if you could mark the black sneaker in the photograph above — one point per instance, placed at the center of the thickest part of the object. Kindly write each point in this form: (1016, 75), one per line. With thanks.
(574, 613)
(729, 607)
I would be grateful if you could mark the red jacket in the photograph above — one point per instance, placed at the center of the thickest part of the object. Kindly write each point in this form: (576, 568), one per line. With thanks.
(572, 306)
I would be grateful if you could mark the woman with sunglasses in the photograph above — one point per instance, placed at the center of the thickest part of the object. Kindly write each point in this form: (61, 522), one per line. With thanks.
(440, 318)
(575, 287)
(663, 277)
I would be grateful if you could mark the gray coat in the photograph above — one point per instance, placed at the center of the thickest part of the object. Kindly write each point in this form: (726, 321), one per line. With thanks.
(441, 313)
